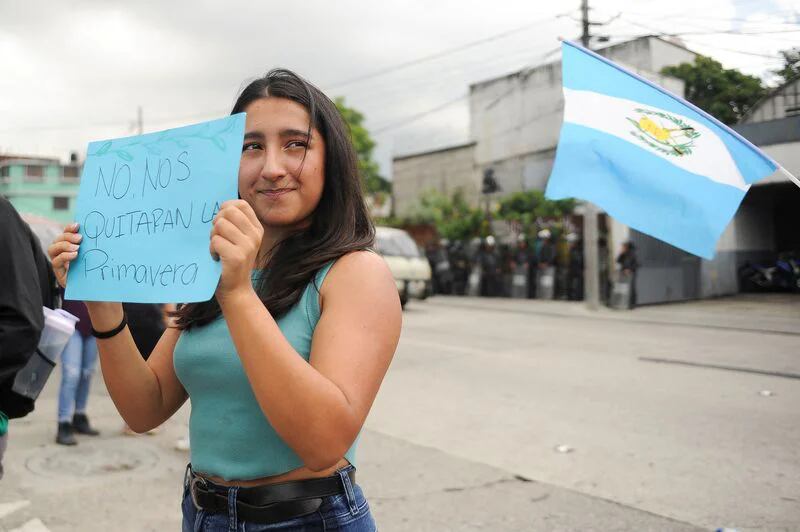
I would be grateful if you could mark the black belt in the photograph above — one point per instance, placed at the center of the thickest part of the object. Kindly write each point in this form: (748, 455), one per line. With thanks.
(271, 503)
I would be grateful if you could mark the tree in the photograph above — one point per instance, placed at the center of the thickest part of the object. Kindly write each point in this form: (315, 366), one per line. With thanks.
(791, 65)
(530, 206)
(453, 217)
(373, 182)
(724, 93)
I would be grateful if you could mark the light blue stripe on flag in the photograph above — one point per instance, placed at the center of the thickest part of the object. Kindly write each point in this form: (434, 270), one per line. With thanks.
(654, 202)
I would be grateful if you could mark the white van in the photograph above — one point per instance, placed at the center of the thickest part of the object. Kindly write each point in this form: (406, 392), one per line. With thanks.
(410, 268)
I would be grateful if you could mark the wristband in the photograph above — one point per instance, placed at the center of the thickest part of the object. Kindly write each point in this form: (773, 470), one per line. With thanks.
(113, 332)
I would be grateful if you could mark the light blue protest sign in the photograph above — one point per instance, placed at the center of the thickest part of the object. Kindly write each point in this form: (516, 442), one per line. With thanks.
(145, 207)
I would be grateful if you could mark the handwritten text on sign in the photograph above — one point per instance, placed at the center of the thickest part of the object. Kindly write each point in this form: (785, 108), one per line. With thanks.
(145, 207)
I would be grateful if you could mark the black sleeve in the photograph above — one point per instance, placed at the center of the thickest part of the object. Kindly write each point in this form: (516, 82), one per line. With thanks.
(21, 316)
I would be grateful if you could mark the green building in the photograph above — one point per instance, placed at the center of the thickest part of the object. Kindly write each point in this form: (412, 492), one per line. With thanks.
(41, 186)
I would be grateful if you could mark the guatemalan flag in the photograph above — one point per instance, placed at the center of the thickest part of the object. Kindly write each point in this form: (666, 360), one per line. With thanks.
(650, 159)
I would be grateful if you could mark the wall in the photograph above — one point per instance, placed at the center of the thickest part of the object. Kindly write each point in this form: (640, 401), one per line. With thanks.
(443, 170)
(784, 102)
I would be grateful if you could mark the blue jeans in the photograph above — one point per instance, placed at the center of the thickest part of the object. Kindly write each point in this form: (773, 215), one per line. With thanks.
(78, 361)
(347, 512)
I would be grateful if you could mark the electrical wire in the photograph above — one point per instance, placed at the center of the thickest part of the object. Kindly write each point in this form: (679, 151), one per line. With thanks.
(443, 53)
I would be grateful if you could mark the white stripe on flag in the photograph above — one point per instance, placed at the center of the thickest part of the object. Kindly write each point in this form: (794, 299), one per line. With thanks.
(709, 156)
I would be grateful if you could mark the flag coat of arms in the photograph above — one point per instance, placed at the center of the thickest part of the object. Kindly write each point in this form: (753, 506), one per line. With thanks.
(650, 159)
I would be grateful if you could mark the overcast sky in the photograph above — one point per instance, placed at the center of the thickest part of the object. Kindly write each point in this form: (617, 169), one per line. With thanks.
(75, 71)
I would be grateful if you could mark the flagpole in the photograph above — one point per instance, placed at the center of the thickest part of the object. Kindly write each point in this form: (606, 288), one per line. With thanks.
(790, 176)
(591, 252)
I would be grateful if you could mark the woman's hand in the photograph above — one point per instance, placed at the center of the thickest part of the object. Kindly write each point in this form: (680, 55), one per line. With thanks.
(63, 250)
(235, 240)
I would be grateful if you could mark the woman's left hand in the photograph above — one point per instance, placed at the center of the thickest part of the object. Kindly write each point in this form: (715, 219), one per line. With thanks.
(235, 241)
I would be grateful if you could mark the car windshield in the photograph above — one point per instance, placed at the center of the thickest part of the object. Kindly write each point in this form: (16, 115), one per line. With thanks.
(396, 244)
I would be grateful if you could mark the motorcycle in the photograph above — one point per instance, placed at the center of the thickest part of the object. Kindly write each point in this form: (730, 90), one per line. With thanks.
(783, 275)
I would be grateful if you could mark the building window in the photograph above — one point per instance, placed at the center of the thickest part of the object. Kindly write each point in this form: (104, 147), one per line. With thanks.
(71, 173)
(5, 173)
(60, 203)
(34, 174)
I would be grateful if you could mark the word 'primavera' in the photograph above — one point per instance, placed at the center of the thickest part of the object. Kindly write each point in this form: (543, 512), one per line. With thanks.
(97, 265)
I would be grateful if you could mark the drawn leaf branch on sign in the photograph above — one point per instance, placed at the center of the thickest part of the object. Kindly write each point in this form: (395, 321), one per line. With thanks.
(215, 138)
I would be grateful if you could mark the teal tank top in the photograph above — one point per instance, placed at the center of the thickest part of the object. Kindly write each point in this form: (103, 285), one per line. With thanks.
(230, 435)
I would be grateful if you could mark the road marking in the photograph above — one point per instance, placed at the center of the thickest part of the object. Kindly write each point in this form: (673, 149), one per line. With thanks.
(34, 525)
(610, 317)
(8, 508)
(783, 374)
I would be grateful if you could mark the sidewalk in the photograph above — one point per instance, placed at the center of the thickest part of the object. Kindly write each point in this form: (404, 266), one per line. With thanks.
(765, 313)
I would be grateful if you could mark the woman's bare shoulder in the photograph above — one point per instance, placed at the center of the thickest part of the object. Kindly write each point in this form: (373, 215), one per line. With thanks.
(359, 272)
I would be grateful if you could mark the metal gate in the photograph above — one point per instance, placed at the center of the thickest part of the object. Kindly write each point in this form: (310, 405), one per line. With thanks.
(665, 272)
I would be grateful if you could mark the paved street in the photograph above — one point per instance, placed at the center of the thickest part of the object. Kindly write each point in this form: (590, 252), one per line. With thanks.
(504, 415)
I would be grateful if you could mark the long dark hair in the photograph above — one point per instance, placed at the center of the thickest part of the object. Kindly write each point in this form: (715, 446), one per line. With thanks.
(340, 223)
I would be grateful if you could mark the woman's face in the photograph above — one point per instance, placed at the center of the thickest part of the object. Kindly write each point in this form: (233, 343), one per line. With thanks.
(280, 185)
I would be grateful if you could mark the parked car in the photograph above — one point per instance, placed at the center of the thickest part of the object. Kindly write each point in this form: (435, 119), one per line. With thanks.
(410, 268)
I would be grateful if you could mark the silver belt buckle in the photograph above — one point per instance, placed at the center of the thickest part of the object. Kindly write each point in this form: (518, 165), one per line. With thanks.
(192, 484)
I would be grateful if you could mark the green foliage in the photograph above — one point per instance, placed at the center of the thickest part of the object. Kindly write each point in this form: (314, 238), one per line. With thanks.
(529, 206)
(364, 145)
(791, 65)
(724, 93)
(453, 217)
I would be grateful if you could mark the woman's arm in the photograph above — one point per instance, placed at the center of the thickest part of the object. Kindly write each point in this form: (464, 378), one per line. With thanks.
(319, 408)
(145, 393)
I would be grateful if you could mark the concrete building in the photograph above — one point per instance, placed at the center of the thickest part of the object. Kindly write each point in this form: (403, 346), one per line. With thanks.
(445, 170)
(40, 186)
(767, 220)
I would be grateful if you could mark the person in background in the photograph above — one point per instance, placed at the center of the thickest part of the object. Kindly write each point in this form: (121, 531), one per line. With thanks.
(546, 256)
(27, 284)
(603, 265)
(147, 322)
(546, 265)
(461, 268)
(521, 262)
(575, 268)
(628, 264)
(78, 362)
(489, 260)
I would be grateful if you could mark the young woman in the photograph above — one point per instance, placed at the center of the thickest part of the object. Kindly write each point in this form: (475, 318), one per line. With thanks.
(283, 364)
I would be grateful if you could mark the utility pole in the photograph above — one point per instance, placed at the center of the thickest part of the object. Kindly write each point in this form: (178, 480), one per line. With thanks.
(591, 265)
(585, 23)
(139, 121)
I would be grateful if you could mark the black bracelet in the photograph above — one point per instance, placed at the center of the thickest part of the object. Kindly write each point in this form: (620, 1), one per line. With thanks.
(113, 332)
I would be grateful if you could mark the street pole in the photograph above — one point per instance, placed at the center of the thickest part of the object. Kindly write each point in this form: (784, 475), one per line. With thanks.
(591, 273)
(139, 120)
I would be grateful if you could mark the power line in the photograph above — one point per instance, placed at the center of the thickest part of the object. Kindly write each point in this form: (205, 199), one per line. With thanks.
(486, 67)
(440, 54)
(744, 52)
(440, 107)
(417, 116)
(683, 18)
(651, 28)
(719, 32)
